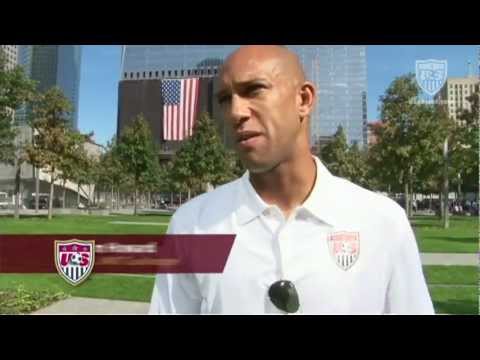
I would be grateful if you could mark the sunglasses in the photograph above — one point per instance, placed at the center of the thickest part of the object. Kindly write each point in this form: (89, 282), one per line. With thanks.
(284, 296)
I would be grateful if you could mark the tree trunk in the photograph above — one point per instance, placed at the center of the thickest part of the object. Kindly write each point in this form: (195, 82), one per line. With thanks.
(135, 201)
(118, 199)
(78, 196)
(149, 200)
(17, 188)
(459, 189)
(406, 198)
(410, 202)
(410, 187)
(111, 199)
(50, 199)
(37, 189)
(445, 185)
(89, 199)
(440, 203)
(445, 204)
(64, 194)
(189, 194)
(180, 198)
(171, 199)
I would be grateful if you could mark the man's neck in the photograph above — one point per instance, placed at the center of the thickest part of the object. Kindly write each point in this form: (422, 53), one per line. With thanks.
(288, 185)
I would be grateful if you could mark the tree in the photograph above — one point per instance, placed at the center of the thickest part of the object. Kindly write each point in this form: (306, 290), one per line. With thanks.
(398, 113)
(137, 153)
(346, 161)
(150, 181)
(111, 172)
(334, 154)
(202, 159)
(408, 152)
(465, 145)
(75, 162)
(15, 89)
(54, 143)
(358, 169)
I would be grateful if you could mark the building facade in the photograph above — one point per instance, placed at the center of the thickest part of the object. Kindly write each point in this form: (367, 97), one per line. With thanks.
(454, 93)
(339, 73)
(53, 65)
(10, 57)
(10, 53)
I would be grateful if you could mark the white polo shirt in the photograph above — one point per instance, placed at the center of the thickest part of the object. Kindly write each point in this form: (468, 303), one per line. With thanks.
(346, 249)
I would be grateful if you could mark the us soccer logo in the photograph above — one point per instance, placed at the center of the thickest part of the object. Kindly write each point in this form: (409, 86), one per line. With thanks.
(431, 75)
(74, 259)
(344, 248)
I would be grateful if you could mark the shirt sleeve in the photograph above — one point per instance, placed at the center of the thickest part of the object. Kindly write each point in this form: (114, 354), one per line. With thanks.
(175, 293)
(407, 291)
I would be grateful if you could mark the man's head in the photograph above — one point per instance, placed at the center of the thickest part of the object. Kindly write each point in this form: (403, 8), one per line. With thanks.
(267, 102)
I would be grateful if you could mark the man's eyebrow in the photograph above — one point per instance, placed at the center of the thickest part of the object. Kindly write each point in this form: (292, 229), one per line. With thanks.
(250, 81)
(240, 84)
(221, 93)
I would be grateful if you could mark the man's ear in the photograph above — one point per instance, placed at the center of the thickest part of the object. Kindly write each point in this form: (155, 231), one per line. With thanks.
(307, 97)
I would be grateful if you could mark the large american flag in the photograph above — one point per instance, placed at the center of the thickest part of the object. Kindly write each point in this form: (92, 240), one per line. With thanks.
(180, 102)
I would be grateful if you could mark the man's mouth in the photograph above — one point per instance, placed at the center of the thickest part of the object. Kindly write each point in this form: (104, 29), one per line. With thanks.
(245, 136)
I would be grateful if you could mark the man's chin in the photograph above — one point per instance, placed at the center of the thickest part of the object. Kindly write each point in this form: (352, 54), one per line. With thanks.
(257, 167)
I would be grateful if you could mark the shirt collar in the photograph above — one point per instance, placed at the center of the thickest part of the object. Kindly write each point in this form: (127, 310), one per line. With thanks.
(320, 203)
(250, 203)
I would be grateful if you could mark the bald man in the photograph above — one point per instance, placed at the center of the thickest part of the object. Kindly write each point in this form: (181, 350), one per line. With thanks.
(306, 241)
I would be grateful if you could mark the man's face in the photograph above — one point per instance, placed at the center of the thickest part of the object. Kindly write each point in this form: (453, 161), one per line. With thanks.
(260, 102)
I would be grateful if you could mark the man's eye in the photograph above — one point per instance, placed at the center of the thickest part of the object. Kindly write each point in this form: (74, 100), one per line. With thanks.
(254, 89)
(224, 99)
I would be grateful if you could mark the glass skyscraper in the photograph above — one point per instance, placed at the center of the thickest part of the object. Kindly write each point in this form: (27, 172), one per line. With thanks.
(54, 65)
(339, 73)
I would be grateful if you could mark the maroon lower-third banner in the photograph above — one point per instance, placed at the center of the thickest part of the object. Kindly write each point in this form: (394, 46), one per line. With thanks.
(77, 256)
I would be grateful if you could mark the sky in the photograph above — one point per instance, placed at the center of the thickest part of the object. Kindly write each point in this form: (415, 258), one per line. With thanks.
(100, 73)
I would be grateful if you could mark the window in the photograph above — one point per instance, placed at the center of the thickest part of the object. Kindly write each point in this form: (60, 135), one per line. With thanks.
(144, 74)
(175, 72)
(156, 74)
(181, 72)
(163, 73)
(138, 75)
(150, 74)
(188, 72)
(131, 75)
(125, 75)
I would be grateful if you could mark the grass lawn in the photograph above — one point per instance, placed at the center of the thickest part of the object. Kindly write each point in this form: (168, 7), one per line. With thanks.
(461, 237)
(84, 224)
(451, 275)
(455, 300)
(25, 301)
(102, 286)
(453, 288)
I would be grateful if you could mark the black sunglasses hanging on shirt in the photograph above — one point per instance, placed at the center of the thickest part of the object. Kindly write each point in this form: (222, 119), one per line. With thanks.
(284, 296)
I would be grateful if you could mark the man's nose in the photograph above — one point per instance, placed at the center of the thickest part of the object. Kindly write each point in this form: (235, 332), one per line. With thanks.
(239, 110)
